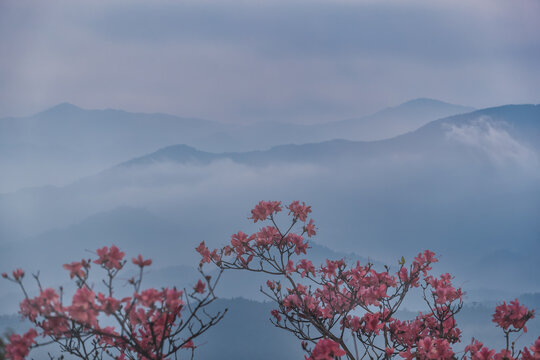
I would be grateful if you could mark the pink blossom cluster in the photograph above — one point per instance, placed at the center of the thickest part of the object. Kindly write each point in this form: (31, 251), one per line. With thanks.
(429, 348)
(245, 247)
(299, 211)
(110, 258)
(477, 351)
(264, 209)
(18, 347)
(533, 352)
(317, 302)
(150, 322)
(17, 274)
(513, 314)
(443, 291)
(77, 268)
(326, 349)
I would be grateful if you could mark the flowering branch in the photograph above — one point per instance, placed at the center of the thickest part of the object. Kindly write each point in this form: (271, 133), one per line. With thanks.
(328, 305)
(150, 324)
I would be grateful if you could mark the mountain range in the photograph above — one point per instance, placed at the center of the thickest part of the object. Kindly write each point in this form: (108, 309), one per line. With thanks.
(521, 121)
(65, 142)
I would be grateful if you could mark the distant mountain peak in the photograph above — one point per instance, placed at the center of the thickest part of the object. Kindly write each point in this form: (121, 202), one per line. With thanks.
(174, 153)
(428, 102)
(63, 108)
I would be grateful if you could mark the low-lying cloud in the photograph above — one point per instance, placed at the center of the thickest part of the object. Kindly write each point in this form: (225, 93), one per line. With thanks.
(495, 141)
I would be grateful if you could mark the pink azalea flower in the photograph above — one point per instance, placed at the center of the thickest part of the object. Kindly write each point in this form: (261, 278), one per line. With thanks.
(310, 228)
(75, 269)
(19, 346)
(513, 314)
(199, 288)
(139, 261)
(18, 274)
(326, 349)
(264, 209)
(299, 211)
(110, 258)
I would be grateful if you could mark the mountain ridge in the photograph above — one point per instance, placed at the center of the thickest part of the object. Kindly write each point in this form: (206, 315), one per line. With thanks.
(67, 106)
(66, 142)
(182, 153)
(496, 113)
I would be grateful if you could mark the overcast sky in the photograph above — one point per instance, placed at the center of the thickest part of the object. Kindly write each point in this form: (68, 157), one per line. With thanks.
(241, 61)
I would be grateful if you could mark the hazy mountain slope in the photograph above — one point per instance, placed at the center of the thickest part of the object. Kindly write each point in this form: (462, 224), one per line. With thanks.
(395, 120)
(520, 121)
(66, 142)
